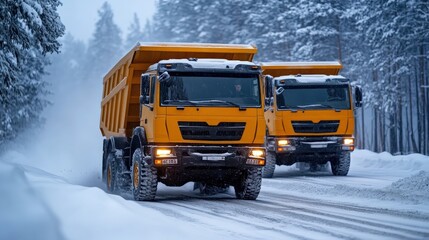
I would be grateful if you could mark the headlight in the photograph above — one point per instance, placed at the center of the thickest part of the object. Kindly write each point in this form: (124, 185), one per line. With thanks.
(348, 141)
(163, 152)
(283, 142)
(257, 153)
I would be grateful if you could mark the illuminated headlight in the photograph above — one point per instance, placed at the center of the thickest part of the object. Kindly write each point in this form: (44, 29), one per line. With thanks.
(162, 152)
(258, 153)
(348, 141)
(283, 142)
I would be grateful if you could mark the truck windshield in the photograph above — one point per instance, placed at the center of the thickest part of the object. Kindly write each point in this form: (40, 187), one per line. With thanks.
(314, 97)
(211, 89)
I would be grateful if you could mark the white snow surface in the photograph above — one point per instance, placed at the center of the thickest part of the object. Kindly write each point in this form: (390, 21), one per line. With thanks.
(383, 197)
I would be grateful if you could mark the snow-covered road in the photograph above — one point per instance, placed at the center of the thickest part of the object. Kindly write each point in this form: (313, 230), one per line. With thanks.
(383, 197)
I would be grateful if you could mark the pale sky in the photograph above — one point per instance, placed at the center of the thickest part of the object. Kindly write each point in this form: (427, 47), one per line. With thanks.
(79, 16)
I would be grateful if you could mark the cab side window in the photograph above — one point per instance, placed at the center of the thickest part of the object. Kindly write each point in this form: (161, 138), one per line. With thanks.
(144, 89)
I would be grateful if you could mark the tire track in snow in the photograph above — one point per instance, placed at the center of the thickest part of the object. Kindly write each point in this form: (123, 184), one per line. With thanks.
(296, 211)
(320, 218)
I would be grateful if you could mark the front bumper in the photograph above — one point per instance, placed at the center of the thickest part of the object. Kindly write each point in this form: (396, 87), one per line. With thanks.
(239, 157)
(310, 144)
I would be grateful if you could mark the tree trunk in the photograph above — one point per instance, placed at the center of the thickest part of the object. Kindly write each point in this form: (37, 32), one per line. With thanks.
(411, 129)
(419, 120)
(362, 134)
(400, 127)
(374, 131)
(393, 138)
(423, 100)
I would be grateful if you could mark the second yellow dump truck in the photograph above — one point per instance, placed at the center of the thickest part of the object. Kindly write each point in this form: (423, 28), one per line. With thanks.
(309, 115)
(178, 113)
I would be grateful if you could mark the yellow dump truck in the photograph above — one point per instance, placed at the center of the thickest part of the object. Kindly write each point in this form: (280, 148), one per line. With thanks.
(309, 115)
(178, 113)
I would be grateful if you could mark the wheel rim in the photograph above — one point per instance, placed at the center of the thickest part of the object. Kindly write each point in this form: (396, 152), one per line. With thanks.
(109, 178)
(136, 175)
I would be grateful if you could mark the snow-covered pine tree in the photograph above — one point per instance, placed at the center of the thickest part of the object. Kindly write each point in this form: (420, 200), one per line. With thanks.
(29, 29)
(135, 34)
(105, 46)
(163, 20)
(317, 30)
(66, 70)
(382, 45)
(274, 28)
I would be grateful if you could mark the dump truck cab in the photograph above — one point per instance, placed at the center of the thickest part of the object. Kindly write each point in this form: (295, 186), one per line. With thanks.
(309, 116)
(199, 120)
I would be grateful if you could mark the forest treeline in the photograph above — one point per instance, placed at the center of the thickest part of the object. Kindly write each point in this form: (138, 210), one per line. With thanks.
(383, 46)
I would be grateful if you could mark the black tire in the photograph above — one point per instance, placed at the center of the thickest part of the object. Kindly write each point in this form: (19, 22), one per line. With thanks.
(117, 176)
(110, 174)
(144, 178)
(123, 177)
(270, 165)
(341, 165)
(104, 161)
(249, 185)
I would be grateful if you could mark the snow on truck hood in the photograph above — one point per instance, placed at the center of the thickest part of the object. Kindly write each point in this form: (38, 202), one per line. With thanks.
(209, 63)
(312, 78)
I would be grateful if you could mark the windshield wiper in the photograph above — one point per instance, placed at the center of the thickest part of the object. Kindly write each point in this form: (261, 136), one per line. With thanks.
(180, 101)
(318, 105)
(292, 107)
(215, 101)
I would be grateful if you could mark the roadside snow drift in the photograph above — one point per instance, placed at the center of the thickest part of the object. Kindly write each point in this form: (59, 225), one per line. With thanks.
(35, 204)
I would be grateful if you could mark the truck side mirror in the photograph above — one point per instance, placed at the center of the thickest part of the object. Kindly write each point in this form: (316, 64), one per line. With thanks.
(268, 91)
(268, 86)
(164, 77)
(358, 96)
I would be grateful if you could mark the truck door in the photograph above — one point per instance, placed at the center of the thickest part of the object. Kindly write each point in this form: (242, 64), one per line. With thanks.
(146, 101)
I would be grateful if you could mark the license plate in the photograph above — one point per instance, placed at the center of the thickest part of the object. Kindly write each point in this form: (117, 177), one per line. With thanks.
(169, 161)
(252, 161)
(213, 158)
(319, 145)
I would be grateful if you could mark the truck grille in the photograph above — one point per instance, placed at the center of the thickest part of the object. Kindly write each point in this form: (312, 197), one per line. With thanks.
(310, 127)
(202, 131)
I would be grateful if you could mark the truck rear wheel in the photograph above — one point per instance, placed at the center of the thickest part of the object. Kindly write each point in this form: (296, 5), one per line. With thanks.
(341, 165)
(110, 174)
(249, 185)
(144, 178)
(117, 177)
(270, 165)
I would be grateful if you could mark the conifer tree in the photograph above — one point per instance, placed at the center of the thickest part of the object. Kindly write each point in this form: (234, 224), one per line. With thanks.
(29, 29)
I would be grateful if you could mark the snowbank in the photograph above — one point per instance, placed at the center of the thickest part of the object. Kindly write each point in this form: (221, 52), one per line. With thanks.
(24, 213)
(35, 204)
(384, 160)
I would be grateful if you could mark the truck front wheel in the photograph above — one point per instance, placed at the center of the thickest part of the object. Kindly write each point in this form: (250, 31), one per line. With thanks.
(144, 178)
(249, 185)
(270, 165)
(341, 165)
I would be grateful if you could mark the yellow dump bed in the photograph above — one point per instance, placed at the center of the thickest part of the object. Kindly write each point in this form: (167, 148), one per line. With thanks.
(121, 86)
(276, 69)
